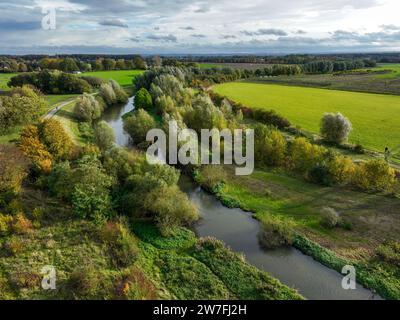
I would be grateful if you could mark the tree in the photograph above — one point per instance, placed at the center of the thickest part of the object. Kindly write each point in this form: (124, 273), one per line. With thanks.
(143, 99)
(139, 63)
(170, 207)
(104, 136)
(120, 94)
(56, 140)
(335, 128)
(87, 108)
(303, 155)
(375, 175)
(13, 168)
(138, 124)
(108, 94)
(91, 195)
(68, 65)
(34, 149)
(269, 146)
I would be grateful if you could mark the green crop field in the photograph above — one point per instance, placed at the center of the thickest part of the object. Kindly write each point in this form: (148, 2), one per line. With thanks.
(123, 77)
(4, 78)
(375, 117)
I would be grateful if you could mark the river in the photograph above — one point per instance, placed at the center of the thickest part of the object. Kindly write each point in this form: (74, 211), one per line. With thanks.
(239, 231)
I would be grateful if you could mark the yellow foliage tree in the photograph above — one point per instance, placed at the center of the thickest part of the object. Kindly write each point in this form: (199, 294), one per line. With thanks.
(56, 140)
(34, 149)
(304, 155)
(375, 175)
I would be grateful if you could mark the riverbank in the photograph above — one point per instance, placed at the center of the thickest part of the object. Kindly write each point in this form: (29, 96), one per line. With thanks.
(292, 202)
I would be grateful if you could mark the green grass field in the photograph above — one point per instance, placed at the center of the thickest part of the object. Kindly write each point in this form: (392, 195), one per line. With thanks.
(123, 77)
(375, 117)
(4, 78)
(395, 67)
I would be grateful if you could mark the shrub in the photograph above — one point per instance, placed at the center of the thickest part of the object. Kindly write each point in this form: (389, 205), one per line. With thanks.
(270, 117)
(390, 252)
(121, 243)
(60, 181)
(25, 279)
(21, 224)
(104, 136)
(269, 146)
(143, 99)
(135, 286)
(5, 223)
(138, 125)
(320, 174)
(94, 81)
(335, 128)
(85, 282)
(341, 169)
(303, 155)
(375, 175)
(330, 218)
(276, 232)
(210, 176)
(170, 208)
(14, 246)
(13, 169)
(87, 108)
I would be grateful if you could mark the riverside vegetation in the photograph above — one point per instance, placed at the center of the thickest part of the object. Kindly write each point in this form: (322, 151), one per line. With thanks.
(116, 227)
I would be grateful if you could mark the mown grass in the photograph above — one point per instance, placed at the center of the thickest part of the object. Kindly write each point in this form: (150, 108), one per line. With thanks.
(123, 77)
(71, 125)
(56, 99)
(375, 117)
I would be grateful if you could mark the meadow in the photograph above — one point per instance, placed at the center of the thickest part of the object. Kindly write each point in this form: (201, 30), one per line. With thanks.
(375, 117)
(123, 77)
(4, 78)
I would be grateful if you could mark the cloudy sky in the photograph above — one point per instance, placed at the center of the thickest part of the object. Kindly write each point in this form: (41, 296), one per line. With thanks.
(199, 26)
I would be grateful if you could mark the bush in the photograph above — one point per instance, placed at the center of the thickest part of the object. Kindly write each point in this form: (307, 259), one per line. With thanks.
(138, 125)
(121, 244)
(170, 208)
(14, 246)
(341, 169)
(304, 156)
(390, 252)
(270, 117)
(5, 224)
(269, 146)
(375, 175)
(210, 176)
(135, 286)
(104, 136)
(276, 232)
(330, 218)
(335, 128)
(108, 94)
(120, 94)
(143, 99)
(21, 224)
(60, 181)
(13, 169)
(87, 108)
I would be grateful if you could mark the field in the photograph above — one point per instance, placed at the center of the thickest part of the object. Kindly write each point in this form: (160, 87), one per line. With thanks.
(375, 117)
(383, 79)
(123, 77)
(4, 78)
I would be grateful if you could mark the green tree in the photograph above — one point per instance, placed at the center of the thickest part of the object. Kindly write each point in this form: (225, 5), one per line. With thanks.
(143, 99)
(138, 124)
(104, 136)
(87, 108)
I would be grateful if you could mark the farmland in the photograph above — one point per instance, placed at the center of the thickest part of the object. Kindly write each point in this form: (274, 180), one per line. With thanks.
(385, 78)
(123, 77)
(375, 117)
